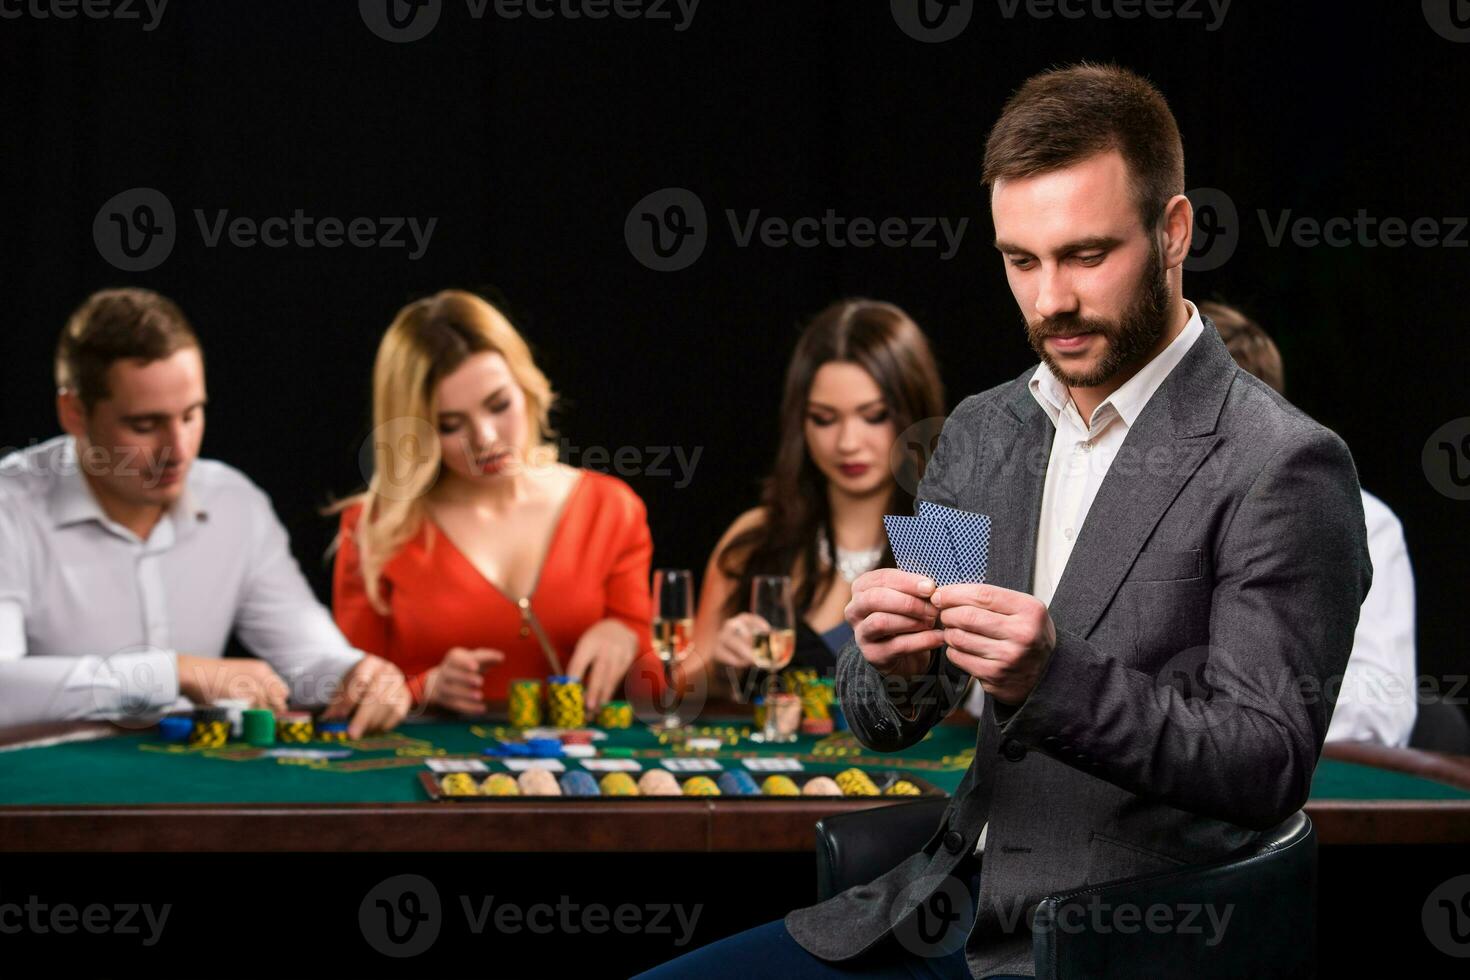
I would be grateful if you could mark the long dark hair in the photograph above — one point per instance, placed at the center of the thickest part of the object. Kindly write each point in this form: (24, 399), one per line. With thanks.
(884, 341)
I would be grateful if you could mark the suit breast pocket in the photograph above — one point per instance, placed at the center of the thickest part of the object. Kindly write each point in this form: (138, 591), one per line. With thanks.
(1157, 565)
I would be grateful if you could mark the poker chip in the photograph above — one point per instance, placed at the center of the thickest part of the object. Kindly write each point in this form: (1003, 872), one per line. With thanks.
(700, 786)
(234, 711)
(579, 783)
(821, 786)
(703, 744)
(855, 782)
(816, 726)
(260, 727)
(543, 748)
(175, 728)
(332, 731)
(524, 704)
(459, 784)
(737, 782)
(903, 788)
(779, 786)
(579, 751)
(565, 701)
(618, 752)
(500, 784)
(211, 728)
(538, 782)
(294, 726)
(618, 784)
(659, 782)
(579, 737)
(615, 714)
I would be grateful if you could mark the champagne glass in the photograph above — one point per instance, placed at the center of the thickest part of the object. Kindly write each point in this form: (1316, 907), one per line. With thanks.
(673, 631)
(770, 599)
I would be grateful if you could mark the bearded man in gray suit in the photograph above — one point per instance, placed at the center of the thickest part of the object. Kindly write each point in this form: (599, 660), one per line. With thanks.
(1159, 515)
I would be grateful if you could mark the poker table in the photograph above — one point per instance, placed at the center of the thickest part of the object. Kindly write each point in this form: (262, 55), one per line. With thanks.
(91, 787)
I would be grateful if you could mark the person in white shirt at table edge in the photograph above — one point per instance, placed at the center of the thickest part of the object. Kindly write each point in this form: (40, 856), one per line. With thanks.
(126, 561)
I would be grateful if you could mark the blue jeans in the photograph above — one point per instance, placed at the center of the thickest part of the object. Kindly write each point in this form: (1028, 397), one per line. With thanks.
(769, 950)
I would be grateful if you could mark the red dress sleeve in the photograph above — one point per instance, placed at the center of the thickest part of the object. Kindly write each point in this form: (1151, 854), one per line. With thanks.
(627, 585)
(364, 627)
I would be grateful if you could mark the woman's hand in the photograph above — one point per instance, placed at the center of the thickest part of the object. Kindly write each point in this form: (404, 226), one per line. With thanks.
(458, 683)
(602, 658)
(733, 647)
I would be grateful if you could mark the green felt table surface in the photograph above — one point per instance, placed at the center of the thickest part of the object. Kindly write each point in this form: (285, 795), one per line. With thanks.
(139, 768)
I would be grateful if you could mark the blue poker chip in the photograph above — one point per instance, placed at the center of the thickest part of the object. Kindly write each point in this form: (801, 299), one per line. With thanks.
(331, 726)
(175, 728)
(515, 749)
(579, 782)
(737, 782)
(544, 748)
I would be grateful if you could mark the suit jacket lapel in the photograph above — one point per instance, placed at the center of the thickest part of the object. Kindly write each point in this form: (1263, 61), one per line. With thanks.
(1025, 438)
(1168, 441)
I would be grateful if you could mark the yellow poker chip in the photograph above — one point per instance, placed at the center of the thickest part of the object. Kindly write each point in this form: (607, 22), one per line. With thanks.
(855, 782)
(780, 786)
(500, 784)
(902, 788)
(618, 784)
(459, 784)
(700, 786)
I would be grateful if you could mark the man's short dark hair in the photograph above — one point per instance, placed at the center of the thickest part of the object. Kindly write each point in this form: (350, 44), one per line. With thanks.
(114, 325)
(1065, 115)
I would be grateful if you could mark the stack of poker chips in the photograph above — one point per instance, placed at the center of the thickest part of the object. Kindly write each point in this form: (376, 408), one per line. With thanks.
(779, 786)
(176, 728)
(821, 786)
(538, 782)
(615, 714)
(855, 782)
(500, 784)
(796, 679)
(618, 784)
(211, 728)
(579, 782)
(235, 709)
(701, 786)
(459, 784)
(902, 788)
(260, 727)
(524, 707)
(737, 782)
(564, 698)
(659, 782)
(332, 731)
(295, 726)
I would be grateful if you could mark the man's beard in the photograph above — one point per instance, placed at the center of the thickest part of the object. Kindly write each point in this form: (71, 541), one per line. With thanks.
(1128, 341)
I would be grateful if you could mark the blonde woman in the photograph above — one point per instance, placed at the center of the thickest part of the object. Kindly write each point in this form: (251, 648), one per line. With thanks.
(473, 557)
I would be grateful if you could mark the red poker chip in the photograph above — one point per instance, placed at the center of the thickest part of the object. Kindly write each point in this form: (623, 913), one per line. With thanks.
(816, 726)
(576, 738)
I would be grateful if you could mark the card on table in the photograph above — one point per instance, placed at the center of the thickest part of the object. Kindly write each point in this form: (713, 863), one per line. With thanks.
(456, 765)
(612, 765)
(521, 765)
(782, 764)
(692, 765)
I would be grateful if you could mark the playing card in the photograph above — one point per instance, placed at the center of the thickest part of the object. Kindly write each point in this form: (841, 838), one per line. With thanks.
(922, 545)
(970, 535)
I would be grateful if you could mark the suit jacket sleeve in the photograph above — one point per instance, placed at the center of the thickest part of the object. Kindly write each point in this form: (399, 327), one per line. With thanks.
(1291, 571)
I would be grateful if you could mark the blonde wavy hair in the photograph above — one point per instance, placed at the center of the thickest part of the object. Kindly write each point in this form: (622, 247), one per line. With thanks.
(428, 340)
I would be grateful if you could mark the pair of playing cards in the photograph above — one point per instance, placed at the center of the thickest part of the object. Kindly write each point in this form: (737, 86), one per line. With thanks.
(948, 545)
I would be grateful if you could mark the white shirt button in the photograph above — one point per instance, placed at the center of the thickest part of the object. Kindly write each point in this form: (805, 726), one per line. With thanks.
(1069, 532)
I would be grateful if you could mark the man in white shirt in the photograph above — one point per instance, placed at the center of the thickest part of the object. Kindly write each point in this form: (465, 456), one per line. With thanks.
(1379, 688)
(126, 561)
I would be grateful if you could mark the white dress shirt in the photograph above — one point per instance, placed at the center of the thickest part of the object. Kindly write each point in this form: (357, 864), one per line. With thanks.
(1377, 702)
(92, 617)
(1081, 454)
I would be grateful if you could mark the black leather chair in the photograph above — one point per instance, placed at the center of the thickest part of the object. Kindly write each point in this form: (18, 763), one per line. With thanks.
(1270, 887)
(1441, 726)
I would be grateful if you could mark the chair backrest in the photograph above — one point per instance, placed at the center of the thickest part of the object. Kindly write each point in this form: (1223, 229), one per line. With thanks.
(1254, 914)
(1441, 727)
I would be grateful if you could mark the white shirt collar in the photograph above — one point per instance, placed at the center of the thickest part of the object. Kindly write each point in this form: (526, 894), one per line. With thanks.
(1131, 397)
(71, 500)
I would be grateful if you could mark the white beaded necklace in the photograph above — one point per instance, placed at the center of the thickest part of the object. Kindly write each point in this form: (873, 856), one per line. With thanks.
(850, 564)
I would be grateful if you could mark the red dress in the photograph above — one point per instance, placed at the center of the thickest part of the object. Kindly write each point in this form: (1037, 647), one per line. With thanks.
(597, 567)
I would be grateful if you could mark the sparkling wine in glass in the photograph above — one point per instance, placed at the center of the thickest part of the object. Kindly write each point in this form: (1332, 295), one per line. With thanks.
(770, 599)
(673, 633)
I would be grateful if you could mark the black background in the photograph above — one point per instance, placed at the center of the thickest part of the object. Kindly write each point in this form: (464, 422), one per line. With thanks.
(531, 140)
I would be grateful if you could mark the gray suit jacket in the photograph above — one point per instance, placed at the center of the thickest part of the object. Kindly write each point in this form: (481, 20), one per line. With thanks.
(1212, 591)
